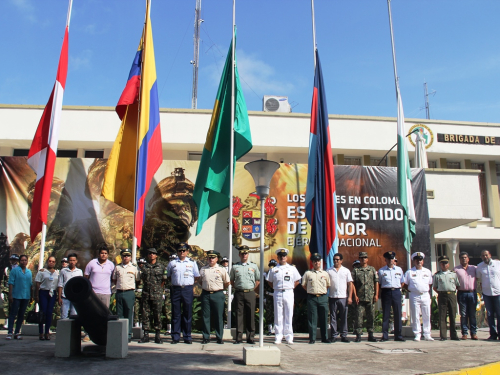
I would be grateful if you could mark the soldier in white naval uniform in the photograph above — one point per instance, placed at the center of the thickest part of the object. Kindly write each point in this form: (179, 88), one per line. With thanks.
(283, 278)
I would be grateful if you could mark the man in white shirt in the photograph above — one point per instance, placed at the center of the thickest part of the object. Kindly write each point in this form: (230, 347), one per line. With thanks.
(488, 275)
(283, 279)
(417, 280)
(340, 296)
(65, 275)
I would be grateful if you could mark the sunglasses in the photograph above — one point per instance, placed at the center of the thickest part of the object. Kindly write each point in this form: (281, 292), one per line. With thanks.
(181, 251)
(127, 256)
(336, 259)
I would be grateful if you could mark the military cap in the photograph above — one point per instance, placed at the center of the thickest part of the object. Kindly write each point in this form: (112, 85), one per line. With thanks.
(282, 251)
(356, 262)
(363, 254)
(182, 246)
(224, 259)
(64, 260)
(390, 255)
(272, 263)
(173, 257)
(213, 254)
(418, 254)
(243, 248)
(125, 252)
(443, 258)
(395, 259)
(141, 261)
(14, 257)
(315, 256)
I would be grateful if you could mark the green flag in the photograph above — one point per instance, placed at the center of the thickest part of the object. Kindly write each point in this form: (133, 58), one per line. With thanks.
(211, 190)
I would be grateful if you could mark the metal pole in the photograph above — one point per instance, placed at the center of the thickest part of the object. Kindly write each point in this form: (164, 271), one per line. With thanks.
(196, 54)
(231, 170)
(261, 285)
(314, 34)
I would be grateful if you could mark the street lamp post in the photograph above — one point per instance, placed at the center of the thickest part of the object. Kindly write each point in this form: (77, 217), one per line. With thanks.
(262, 171)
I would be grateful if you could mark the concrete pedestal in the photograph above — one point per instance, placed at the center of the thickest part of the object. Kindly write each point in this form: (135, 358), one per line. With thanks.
(68, 338)
(407, 332)
(117, 339)
(265, 356)
(318, 333)
(137, 333)
(229, 334)
(29, 330)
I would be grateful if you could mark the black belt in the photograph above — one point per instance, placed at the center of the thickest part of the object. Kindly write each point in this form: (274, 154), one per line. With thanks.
(392, 288)
(441, 292)
(466, 291)
(243, 290)
(126, 290)
(180, 286)
(213, 291)
(316, 295)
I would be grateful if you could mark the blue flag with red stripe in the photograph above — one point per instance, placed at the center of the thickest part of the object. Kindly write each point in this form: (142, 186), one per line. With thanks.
(321, 206)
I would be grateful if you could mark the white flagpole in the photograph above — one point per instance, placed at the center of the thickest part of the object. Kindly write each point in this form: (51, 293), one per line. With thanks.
(231, 167)
(314, 34)
(41, 259)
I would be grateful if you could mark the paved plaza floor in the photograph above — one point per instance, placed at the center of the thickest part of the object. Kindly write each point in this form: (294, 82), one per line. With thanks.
(32, 356)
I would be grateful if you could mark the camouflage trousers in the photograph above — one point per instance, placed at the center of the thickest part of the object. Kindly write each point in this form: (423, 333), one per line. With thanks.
(167, 309)
(6, 305)
(364, 308)
(137, 310)
(151, 310)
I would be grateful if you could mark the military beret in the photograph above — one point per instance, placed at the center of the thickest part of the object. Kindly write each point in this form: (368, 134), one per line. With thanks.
(141, 261)
(173, 256)
(272, 263)
(64, 260)
(14, 257)
(390, 255)
(315, 256)
(152, 250)
(213, 254)
(125, 252)
(282, 251)
(356, 262)
(182, 246)
(243, 248)
(443, 258)
(363, 254)
(418, 254)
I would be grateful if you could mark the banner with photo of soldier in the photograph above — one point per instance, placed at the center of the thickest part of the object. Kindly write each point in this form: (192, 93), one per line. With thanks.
(80, 219)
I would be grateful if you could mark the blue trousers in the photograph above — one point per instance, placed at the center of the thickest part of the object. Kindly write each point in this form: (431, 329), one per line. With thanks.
(467, 306)
(46, 303)
(391, 298)
(492, 304)
(18, 308)
(182, 311)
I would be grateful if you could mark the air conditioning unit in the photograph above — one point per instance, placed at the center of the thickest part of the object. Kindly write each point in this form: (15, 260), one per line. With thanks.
(272, 103)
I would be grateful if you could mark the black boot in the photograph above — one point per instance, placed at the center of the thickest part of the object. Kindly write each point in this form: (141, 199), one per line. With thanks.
(158, 340)
(358, 338)
(145, 338)
(371, 338)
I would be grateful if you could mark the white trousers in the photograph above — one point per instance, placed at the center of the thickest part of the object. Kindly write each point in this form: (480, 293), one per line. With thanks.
(420, 303)
(283, 315)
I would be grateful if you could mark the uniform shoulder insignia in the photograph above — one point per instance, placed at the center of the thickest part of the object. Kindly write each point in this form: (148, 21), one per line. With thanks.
(293, 265)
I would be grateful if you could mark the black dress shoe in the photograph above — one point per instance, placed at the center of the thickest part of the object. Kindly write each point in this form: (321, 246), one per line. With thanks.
(312, 341)
(399, 339)
(455, 339)
(326, 341)
(219, 341)
(237, 342)
(205, 341)
(443, 339)
(175, 342)
(334, 340)
(188, 342)
(383, 339)
(344, 339)
(492, 338)
(250, 341)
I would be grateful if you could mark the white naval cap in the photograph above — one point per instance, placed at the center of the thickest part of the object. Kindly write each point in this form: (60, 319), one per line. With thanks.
(282, 250)
(417, 254)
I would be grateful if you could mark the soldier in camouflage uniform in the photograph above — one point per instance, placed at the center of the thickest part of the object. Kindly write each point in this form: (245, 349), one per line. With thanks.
(153, 277)
(268, 301)
(365, 281)
(138, 295)
(14, 262)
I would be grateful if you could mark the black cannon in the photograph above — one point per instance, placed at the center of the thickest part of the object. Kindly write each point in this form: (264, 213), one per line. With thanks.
(93, 315)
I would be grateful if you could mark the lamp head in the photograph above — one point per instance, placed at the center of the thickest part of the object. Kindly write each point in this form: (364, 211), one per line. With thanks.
(262, 172)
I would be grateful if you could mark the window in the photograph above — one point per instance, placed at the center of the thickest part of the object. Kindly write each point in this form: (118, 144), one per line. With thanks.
(352, 161)
(21, 151)
(196, 155)
(440, 250)
(474, 251)
(432, 164)
(482, 187)
(67, 153)
(376, 161)
(94, 154)
(498, 177)
(453, 164)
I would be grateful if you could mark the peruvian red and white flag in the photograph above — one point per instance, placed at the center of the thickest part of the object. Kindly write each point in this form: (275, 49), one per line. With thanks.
(42, 155)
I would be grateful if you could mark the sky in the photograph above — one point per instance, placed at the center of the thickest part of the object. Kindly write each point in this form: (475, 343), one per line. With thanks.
(453, 45)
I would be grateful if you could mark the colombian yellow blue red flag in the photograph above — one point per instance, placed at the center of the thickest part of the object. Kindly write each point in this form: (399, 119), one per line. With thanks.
(128, 175)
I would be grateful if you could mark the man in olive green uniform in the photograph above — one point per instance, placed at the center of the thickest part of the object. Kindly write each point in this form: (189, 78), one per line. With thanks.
(244, 278)
(268, 301)
(365, 281)
(316, 282)
(214, 279)
(138, 295)
(445, 284)
(153, 276)
(14, 262)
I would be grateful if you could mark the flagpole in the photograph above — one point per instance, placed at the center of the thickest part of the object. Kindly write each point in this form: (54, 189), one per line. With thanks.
(41, 259)
(314, 34)
(231, 177)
